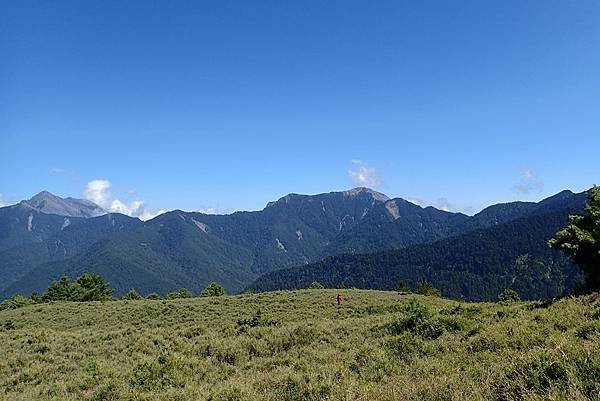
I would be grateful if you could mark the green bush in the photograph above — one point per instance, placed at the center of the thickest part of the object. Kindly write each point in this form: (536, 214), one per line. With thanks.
(88, 287)
(255, 321)
(15, 302)
(426, 288)
(157, 374)
(94, 288)
(404, 347)
(63, 290)
(508, 295)
(226, 394)
(213, 290)
(402, 287)
(419, 320)
(153, 296)
(315, 285)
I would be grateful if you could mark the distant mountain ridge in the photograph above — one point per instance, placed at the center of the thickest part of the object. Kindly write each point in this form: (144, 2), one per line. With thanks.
(45, 202)
(192, 249)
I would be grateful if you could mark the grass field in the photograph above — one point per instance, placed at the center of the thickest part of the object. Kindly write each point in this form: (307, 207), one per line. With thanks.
(301, 346)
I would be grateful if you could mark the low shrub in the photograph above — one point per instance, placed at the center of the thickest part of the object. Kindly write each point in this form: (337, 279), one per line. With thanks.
(404, 347)
(419, 320)
(157, 374)
(15, 302)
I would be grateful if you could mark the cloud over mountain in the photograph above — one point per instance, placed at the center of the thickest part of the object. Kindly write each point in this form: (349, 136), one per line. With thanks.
(98, 191)
(529, 183)
(363, 175)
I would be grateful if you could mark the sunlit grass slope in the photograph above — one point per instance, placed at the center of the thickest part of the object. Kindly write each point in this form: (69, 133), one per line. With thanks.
(301, 346)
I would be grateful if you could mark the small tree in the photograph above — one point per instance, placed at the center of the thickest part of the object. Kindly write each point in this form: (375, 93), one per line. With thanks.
(63, 290)
(508, 295)
(213, 290)
(36, 298)
(132, 295)
(315, 285)
(426, 288)
(581, 240)
(153, 296)
(402, 287)
(94, 288)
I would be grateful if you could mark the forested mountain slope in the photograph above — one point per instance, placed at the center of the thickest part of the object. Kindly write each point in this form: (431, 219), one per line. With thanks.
(191, 249)
(476, 265)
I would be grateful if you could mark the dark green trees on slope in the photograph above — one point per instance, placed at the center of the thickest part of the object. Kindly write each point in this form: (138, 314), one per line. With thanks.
(88, 287)
(581, 240)
(477, 265)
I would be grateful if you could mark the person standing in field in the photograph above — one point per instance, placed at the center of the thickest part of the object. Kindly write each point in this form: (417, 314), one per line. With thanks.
(339, 299)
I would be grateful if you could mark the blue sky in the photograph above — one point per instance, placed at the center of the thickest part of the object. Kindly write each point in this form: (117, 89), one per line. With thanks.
(226, 105)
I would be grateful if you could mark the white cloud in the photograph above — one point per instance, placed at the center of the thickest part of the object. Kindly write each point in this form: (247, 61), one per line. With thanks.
(98, 191)
(56, 170)
(444, 204)
(2, 202)
(363, 175)
(529, 183)
(208, 210)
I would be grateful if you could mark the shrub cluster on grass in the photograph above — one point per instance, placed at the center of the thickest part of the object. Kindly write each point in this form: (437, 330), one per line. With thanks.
(93, 287)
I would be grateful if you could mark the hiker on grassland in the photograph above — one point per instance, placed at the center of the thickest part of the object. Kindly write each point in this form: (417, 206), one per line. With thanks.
(339, 299)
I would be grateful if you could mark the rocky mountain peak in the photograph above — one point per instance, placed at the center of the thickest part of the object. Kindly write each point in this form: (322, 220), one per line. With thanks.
(378, 196)
(48, 203)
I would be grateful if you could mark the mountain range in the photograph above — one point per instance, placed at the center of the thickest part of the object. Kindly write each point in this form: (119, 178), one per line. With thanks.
(357, 238)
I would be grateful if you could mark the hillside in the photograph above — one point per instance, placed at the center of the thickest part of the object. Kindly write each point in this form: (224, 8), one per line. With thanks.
(300, 346)
(476, 265)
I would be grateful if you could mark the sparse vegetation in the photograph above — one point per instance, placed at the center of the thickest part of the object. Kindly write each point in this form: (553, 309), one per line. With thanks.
(300, 345)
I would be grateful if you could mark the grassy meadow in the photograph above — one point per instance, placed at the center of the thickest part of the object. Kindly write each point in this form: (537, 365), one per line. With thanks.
(299, 345)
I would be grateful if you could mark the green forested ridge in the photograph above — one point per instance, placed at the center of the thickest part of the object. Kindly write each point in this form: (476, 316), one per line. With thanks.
(476, 265)
(180, 249)
(299, 345)
(68, 241)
